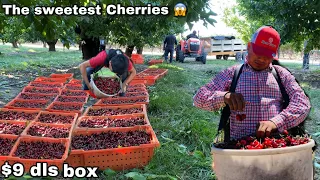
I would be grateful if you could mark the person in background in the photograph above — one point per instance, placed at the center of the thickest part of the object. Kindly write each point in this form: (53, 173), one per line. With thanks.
(257, 94)
(168, 46)
(193, 35)
(115, 60)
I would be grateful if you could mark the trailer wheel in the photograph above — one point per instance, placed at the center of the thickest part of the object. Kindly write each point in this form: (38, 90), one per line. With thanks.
(218, 56)
(244, 55)
(238, 56)
(225, 57)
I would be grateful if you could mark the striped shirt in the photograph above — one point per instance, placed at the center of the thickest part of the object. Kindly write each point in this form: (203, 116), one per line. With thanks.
(262, 96)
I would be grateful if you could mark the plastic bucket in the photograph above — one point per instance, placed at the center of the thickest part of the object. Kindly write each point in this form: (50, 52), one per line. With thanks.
(294, 163)
(99, 94)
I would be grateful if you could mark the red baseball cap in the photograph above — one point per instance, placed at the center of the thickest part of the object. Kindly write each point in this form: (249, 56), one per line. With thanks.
(265, 42)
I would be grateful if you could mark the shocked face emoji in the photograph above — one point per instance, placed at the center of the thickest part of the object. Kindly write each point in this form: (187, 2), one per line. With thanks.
(180, 10)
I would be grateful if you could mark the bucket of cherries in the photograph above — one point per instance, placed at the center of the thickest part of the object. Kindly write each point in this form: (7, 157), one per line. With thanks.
(105, 86)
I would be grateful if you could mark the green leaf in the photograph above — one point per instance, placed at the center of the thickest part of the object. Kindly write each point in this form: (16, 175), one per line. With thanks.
(109, 172)
(135, 176)
(75, 178)
(27, 177)
(182, 148)
(317, 165)
(198, 154)
(167, 139)
(316, 134)
(154, 176)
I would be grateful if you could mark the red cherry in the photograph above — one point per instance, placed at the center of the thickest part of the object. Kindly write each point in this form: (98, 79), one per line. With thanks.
(250, 147)
(260, 146)
(255, 143)
(274, 145)
(267, 142)
(243, 116)
(243, 142)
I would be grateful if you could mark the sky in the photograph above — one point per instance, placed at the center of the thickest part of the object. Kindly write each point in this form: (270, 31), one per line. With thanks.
(220, 27)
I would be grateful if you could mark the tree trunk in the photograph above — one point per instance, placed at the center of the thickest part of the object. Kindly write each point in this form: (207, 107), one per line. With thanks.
(129, 50)
(15, 44)
(52, 45)
(306, 61)
(90, 48)
(44, 44)
(139, 50)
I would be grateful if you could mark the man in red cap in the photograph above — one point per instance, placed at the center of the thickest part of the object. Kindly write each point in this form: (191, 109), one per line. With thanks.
(256, 105)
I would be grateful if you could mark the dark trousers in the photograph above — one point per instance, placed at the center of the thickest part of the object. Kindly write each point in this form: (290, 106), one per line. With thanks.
(166, 52)
(91, 70)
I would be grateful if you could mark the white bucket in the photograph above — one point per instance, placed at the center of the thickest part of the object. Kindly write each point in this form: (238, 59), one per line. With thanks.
(290, 163)
(99, 94)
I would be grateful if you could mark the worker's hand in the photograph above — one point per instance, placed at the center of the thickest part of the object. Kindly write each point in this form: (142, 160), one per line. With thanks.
(124, 87)
(264, 128)
(235, 101)
(90, 87)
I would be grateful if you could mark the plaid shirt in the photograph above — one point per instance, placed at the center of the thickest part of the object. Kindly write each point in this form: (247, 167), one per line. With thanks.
(263, 99)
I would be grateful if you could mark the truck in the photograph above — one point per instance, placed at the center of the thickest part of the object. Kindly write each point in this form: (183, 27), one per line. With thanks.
(225, 47)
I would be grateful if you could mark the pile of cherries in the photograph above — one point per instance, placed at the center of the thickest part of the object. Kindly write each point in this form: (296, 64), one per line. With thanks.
(280, 141)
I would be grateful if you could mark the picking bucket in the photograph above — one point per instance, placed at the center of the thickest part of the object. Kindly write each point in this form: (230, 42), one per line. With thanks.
(294, 163)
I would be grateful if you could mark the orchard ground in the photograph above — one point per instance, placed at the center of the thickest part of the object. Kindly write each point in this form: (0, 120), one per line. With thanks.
(185, 132)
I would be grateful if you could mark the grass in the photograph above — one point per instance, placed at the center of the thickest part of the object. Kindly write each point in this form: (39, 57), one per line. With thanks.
(185, 132)
(36, 58)
(8, 49)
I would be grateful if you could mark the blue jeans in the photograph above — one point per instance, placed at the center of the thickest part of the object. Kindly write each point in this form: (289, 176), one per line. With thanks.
(91, 70)
(166, 52)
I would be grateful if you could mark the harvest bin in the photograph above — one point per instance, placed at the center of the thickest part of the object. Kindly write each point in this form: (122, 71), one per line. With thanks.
(122, 101)
(75, 81)
(46, 84)
(74, 116)
(67, 75)
(116, 158)
(38, 104)
(33, 113)
(41, 90)
(28, 163)
(73, 86)
(117, 117)
(47, 79)
(35, 96)
(25, 133)
(78, 106)
(142, 109)
(294, 163)
(3, 158)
